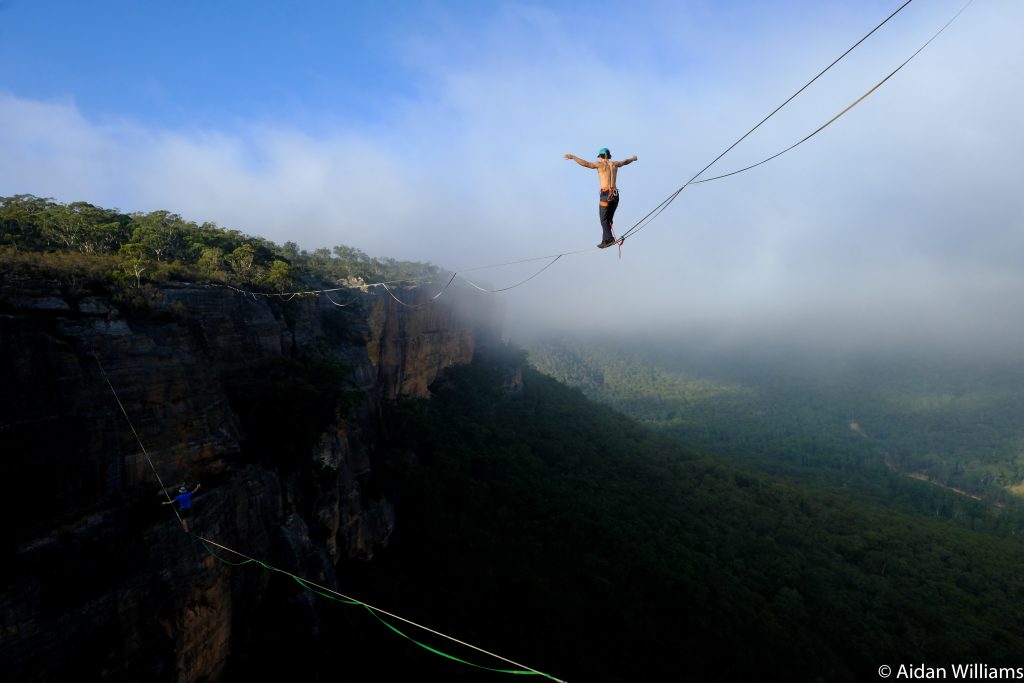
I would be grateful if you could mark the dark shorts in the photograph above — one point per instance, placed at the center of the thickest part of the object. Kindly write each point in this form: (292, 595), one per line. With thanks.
(185, 513)
(609, 202)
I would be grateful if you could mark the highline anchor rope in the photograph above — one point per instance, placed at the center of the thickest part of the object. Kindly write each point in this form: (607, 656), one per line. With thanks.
(836, 117)
(136, 435)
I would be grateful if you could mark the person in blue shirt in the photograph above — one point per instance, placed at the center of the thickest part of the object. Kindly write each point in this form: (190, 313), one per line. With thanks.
(184, 501)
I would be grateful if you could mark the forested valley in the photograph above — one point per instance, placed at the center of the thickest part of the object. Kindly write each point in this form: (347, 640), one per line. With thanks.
(939, 433)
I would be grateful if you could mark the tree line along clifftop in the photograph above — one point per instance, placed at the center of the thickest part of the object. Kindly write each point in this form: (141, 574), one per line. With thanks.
(79, 241)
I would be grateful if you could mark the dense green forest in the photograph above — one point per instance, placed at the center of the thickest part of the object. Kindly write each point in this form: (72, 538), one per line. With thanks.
(81, 244)
(559, 533)
(951, 427)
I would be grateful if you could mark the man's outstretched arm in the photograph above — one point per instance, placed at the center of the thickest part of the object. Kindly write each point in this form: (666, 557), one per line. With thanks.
(625, 162)
(581, 162)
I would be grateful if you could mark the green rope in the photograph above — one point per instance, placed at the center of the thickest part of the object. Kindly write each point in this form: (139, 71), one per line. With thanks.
(301, 582)
(325, 595)
(516, 672)
(218, 557)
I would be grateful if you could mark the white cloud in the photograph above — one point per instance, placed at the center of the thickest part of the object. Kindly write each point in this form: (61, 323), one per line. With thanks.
(903, 216)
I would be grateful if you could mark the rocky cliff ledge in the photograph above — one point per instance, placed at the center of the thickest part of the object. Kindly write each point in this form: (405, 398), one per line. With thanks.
(225, 390)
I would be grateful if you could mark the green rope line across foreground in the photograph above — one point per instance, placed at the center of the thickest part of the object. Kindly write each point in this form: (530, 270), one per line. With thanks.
(516, 672)
(218, 557)
(374, 611)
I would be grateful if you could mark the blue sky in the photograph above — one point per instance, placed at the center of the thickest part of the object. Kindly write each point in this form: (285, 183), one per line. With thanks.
(199, 63)
(435, 131)
(191, 63)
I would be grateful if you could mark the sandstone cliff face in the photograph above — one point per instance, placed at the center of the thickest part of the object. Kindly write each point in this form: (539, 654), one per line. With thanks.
(412, 342)
(99, 579)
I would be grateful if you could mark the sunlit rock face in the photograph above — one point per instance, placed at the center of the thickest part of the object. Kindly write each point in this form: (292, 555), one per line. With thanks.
(412, 341)
(100, 579)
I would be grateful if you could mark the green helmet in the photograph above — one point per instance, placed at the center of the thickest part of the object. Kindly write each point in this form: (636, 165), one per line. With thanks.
(603, 152)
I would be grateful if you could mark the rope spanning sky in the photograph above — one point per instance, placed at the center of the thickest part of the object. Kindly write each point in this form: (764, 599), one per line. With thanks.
(642, 223)
(438, 133)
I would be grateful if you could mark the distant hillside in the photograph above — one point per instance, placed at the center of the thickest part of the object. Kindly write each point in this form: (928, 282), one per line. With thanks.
(851, 420)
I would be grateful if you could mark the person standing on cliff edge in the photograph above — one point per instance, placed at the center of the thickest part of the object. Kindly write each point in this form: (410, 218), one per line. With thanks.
(606, 172)
(184, 501)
